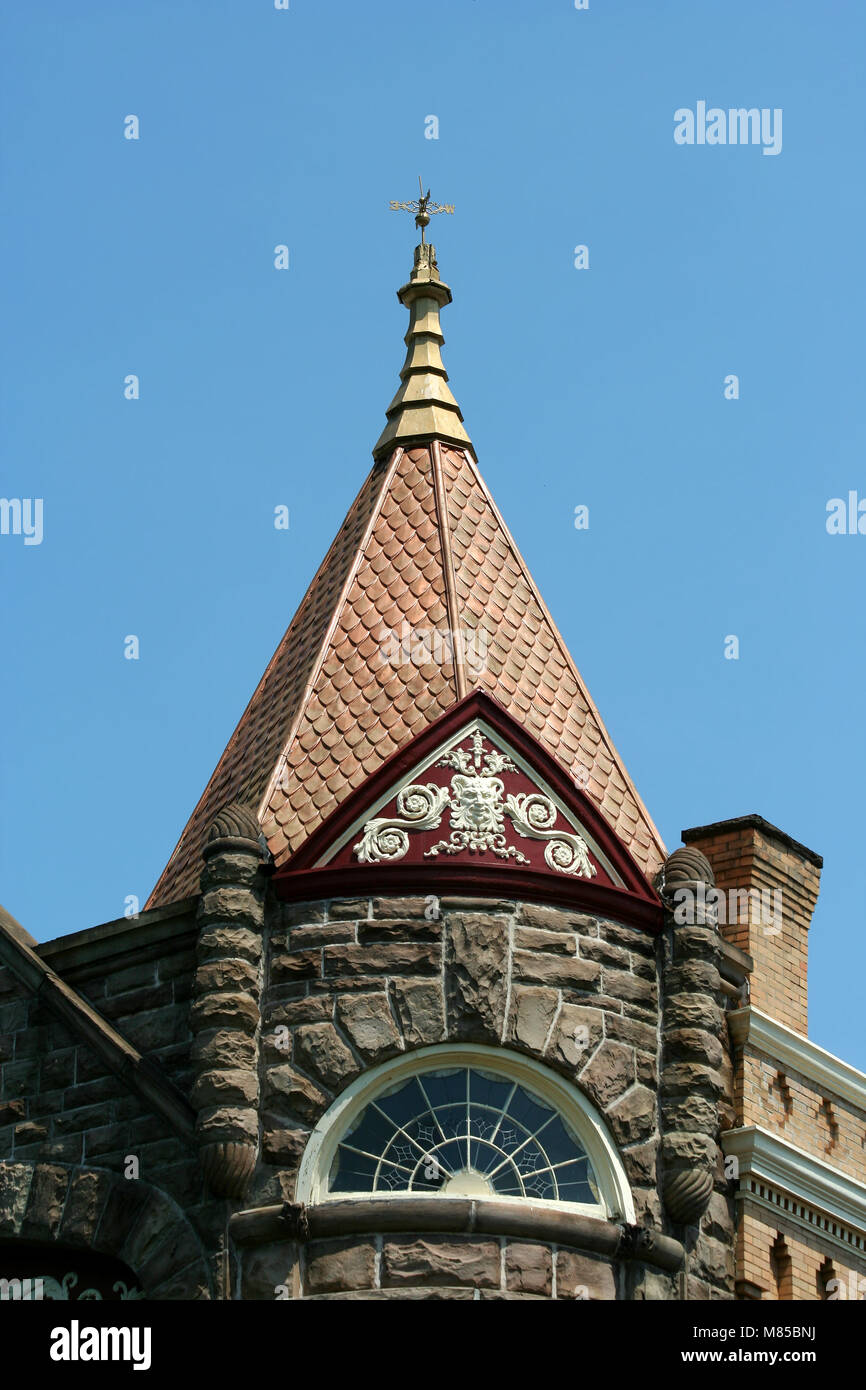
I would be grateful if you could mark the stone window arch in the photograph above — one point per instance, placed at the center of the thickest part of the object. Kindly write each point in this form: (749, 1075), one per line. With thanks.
(69, 1207)
(464, 1120)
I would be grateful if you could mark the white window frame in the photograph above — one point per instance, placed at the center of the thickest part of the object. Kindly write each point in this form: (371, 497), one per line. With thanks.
(616, 1202)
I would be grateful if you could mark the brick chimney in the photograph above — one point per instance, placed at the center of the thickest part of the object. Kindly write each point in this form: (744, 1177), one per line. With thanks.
(770, 885)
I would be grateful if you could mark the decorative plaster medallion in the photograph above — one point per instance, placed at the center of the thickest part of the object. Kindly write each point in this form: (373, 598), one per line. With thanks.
(477, 805)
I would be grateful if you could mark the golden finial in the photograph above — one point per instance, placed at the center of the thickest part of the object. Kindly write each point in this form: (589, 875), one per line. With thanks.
(422, 207)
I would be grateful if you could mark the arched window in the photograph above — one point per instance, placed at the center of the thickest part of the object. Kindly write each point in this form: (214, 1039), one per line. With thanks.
(466, 1121)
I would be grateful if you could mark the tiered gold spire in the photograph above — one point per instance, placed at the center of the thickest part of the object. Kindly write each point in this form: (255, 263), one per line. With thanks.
(423, 408)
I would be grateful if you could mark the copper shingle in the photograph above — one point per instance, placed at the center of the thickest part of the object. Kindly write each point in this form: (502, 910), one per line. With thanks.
(422, 551)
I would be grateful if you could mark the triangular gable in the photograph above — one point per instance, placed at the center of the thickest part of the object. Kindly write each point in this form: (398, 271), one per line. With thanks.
(473, 803)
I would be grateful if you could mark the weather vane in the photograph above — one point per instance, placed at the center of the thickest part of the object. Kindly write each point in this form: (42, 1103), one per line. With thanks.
(422, 208)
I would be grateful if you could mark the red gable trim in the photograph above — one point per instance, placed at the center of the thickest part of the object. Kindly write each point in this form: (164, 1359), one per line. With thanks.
(637, 903)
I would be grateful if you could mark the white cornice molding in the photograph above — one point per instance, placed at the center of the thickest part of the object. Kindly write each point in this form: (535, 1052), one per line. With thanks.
(766, 1158)
(793, 1050)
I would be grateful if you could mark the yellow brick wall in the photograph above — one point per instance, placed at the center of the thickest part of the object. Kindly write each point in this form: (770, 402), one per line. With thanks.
(747, 856)
(789, 1105)
(759, 1231)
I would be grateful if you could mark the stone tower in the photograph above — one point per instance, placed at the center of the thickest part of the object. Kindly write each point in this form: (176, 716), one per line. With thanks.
(420, 1007)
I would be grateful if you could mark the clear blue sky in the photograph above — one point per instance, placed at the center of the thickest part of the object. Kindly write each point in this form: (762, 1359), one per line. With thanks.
(602, 387)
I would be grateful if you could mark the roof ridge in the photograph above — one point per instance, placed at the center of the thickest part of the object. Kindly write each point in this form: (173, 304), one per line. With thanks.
(452, 601)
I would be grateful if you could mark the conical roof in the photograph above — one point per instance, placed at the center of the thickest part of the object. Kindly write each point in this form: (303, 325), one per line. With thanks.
(422, 597)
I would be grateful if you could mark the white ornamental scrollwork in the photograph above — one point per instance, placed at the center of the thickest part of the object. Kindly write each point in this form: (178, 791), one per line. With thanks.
(476, 802)
(418, 808)
(478, 807)
(534, 816)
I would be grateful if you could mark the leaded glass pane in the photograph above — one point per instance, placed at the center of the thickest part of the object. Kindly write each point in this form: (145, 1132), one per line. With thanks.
(464, 1131)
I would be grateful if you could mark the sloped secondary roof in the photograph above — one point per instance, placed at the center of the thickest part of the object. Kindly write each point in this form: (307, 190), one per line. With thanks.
(366, 665)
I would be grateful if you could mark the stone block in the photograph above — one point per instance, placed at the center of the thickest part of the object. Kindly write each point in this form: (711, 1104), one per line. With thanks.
(105, 1139)
(339, 1265)
(283, 1147)
(418, 1005)
(529, 1268)
(534, 939)
(476, 976)
(605, 952)
(560, 972)
(691, 1113)
(230, 941)
(301, 914)
(632, 938)
(581, 1277)
(690, 1078)
(718, 1221)
(236, 1011)
(319, 1050)
(367, 1020)
(299, 965)
(58, 1069)
(134, 1002)
(554, 919)
(178, 1250)
(713, 1261)
(623, 985)
(531, 1013)
(13, 1016)
(608, 1074)
(225, 1047)
(647, 1207)
(81, 1119)
(577, 1034)
(348, 909)
(230, 904)
(215, 975)
(225, 1087)
(15, 1180)
(224, 1124)
(381, 958)
(400, 907)
(312, 1008)
(85, 1203)
(693, 977)
(633, 1116)
(646, 1069)
(20, 1079)
(693, 1011)
(295, 1094)
(132, 977)
(151, 1031)
(640, 1163)
(681, 1150)
(307, 938)
(632, 1030)
(385, 930)
(45, 1202)
(440, 1260)
(693, 1045)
